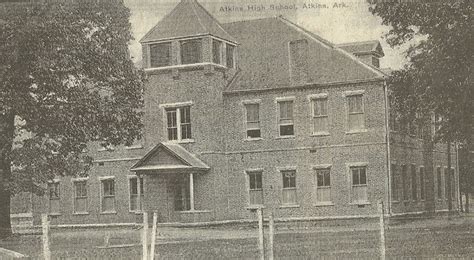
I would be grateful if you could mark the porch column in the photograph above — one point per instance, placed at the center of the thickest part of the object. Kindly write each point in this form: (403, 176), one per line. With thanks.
(191, 190)
(139, 191)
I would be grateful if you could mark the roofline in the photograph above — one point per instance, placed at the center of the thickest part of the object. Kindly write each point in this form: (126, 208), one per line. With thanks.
(309, 34)
(359, 42)
(375, 53)
(331, 45)
(156, 25)
(305, 86)
(188, 37)
(151, 152)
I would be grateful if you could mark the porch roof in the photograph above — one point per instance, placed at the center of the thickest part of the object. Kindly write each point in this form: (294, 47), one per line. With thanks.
(169, 157)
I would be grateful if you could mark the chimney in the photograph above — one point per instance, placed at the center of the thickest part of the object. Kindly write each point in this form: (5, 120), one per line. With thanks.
(298, 51)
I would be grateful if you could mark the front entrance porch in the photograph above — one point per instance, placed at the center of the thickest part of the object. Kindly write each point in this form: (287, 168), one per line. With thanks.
(169, 174)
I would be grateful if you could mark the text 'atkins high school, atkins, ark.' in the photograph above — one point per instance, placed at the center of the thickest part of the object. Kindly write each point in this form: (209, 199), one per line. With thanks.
(248, 114)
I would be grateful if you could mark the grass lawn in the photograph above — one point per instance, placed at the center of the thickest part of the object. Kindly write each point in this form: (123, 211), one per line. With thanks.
(441, 238)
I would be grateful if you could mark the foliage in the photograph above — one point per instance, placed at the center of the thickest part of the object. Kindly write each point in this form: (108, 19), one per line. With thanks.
(68, 80)
(439, 76)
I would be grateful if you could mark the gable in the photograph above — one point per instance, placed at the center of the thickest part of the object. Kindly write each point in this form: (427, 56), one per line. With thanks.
(163, 157)
(264, 57)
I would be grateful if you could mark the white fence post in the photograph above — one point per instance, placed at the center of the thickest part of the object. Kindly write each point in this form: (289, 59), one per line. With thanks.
(382, 231)
(153, 236)
(145, 236)
(260, 233)
(271, 233)
(45, 237)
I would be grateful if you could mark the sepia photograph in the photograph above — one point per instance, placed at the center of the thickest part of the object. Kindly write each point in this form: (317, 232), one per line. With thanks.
(226, 129)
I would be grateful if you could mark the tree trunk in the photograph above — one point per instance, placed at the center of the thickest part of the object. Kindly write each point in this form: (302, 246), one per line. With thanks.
(7, 126)
(449, 191)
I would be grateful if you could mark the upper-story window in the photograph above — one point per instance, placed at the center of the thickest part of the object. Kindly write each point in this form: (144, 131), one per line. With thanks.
(160, 55)
(285, 118)
(216, 51)
(356, 116)
(191, 51)
(253, 120)
(320, 115)
(179, 123)
(230, 55)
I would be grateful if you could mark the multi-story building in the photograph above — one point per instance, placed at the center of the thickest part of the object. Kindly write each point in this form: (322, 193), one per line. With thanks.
(249, 114)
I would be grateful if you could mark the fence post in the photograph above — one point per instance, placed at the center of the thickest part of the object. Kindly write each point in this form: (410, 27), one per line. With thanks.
(271, 234)
(382, 231)
(45, 237)
(145, 236)
(260, 233)
(153, 236)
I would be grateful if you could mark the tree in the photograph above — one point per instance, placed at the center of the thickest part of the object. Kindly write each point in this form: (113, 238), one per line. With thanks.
(438, 78)
(66, 79)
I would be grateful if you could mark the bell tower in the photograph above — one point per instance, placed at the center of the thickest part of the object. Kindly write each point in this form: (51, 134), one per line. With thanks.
(189, 59)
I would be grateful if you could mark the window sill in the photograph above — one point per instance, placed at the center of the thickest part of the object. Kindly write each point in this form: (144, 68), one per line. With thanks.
(285, 137)
(289, 206)
(108, 213)
(253, 139)
(360, 203)
(356, 131)
(254, 207)
(134, 147)
(185, 141)
(320, 134)
(80, 213)
(55, 214)
(323, 204)
(194, 211)
(183, 66)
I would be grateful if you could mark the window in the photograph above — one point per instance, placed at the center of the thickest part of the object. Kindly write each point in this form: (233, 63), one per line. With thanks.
(422, 183)
(404, 182)
(135, 203)
(285, 119)
(80, 196)
(289, 187)
(323, 185)
(230, 55)
(414, 188)
(216, 51)
(394, 184)
(356, 113)
(191, 51)
(359, 184)
(253, 120)
(179, 123)
(440, 192)
(108, 195)
(320, 115)
(54, 202)
(160, 55)
(255, 188)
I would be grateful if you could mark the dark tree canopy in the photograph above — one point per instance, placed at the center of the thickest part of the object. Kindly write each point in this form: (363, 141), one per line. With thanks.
(439, 76)
(66, 79)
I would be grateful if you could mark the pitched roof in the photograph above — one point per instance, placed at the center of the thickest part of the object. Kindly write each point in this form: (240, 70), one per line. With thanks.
(363, 47)
(188, 18)
(264, 57)
(168, 157)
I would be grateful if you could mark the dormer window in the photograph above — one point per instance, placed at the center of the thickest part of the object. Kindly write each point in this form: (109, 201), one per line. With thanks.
(216, 51)
(160, 55)
(191, 51)
(230, 55)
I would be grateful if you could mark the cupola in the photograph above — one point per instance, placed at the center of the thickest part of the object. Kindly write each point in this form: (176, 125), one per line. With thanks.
(188, 36)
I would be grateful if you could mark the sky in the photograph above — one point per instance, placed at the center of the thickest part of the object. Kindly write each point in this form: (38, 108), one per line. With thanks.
(336, 21)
